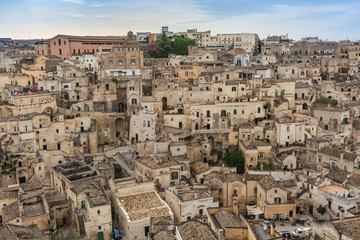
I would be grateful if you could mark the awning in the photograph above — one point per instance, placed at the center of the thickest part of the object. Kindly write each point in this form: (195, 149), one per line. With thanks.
(254, 210)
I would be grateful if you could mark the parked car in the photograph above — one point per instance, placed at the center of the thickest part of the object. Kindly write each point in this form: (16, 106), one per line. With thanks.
(301, 232)
(117, 234)
(285, 234)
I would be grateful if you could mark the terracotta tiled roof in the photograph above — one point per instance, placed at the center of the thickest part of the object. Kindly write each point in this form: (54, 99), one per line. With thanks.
(11, 211)
(256, 177)
(356, 124)
(285, 120)
(254, 144)
(348, 227)
(164, 235)
(194, 230)
(143, 205)
(338, 175)
(354, 180)
(226, 219)
(337, 153)
(7, 195)
(30, 186)
(14, 232)
(268, 184)
(155, 162)
(199, 167)
(230, 177)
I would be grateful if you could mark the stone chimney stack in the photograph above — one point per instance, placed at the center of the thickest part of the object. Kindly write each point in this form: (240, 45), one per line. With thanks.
(342, 214)
(341, 157)
(221, 234)
(235, 208)
(357, 207)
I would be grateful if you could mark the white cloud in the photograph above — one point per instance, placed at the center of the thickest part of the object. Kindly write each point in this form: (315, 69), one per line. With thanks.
(74, 1)
(98, 4)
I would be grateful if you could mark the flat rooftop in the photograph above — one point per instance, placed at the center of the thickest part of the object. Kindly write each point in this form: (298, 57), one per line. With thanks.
(335, 190)
(144, 205)
(155, 162)
(193, 195)
(34, 209)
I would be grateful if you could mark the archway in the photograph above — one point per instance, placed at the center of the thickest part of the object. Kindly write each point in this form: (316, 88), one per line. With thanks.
(164, 103)
(48, 110)
(122, 128)
(305, 106)
(65, 96)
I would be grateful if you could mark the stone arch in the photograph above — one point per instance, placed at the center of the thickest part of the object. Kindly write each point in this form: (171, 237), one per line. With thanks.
(48, 110)
(65, 95)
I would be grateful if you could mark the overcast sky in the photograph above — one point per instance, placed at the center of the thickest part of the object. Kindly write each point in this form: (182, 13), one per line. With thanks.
(331, 20)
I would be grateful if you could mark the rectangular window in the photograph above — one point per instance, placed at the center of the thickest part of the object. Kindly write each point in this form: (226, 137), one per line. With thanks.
(105, 133)
(174, 175)
(208, 113)
(110, 62)
(133, 61)
(120, 62)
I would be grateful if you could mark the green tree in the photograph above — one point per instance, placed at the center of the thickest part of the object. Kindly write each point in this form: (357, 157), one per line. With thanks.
(235, 158)
(163, 46)
(326, 101)
(181, 45)
(321, 210)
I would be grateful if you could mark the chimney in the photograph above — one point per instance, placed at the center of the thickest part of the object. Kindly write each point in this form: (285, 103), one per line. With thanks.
(235, 208)
(342, 214)
(221, 234)
(341, 156)
(357, 207)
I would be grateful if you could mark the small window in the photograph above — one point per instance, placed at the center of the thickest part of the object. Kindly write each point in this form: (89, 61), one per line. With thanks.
(98, 211)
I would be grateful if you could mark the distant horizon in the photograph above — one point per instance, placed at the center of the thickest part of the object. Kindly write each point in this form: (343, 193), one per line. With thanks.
(124, 35)
(43, 19)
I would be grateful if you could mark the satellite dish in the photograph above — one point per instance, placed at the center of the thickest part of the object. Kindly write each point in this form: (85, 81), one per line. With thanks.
(265, 227)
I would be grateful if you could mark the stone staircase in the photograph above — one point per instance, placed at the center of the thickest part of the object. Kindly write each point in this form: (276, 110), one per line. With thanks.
(121, 161)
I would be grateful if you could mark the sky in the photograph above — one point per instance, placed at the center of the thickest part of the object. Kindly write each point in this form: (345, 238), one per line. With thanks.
(329, 20)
